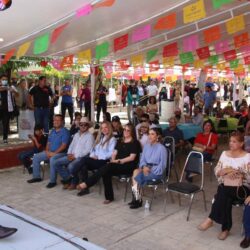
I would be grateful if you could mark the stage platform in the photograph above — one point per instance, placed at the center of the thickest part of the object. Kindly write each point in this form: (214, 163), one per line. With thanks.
(33, 234)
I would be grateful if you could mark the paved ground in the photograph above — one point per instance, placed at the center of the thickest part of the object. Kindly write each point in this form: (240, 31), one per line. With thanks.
(115, 226)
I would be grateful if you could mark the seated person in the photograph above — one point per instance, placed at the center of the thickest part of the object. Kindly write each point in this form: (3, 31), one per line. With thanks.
(152, 106)
(152, 165)
(144, 118)
(137, 115)
(197, 118)
(39, 141)
(154, 120)
(174, 132)
(107, 117)
(57, 144)
(232, 165)
(143, 133)
(207, 140)
(80, 147)
(217, 110)
(117, 127)
(179, 117)
(242, 104)
(75, 125)
(123, 162)
(229, 110)
(99, 155)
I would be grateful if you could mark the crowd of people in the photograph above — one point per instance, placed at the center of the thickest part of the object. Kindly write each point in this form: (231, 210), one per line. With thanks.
(135, 149)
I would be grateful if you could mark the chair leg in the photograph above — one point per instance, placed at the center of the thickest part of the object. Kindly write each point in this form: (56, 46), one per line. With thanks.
(204, 199)
(153, 196)
(165, 201)
(126, 189)
(190, 205)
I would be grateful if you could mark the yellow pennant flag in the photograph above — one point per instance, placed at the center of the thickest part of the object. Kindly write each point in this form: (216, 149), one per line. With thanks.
(137, 60)
(194, 12)
(239, 69)
(22, 50)
(198, 64)
(174, 78)
(235, 24)
(168, 61)
(84, 57)
(221, 66)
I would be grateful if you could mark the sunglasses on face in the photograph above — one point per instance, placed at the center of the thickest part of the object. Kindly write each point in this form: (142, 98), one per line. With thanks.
(83, 124)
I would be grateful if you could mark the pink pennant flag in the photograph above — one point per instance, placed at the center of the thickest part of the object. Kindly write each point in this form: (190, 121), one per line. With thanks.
(221, 47)
(57, 32)
(84, 11)
(245, 50)
(56, 64)
(141, 33)
(191, 43)
(108, 67)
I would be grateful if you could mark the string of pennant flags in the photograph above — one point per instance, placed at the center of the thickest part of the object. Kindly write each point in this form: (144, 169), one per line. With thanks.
(190, 45)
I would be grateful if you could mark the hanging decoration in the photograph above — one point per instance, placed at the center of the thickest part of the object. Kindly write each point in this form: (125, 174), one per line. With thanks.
(191, 43)
(151, 54)
(141, 33)
(41, 44)
(102, 50)
(212, 34)
(120, 42)
(235, 24)
(8, 55)
(194, 12)
(57, 32)
(166, 23)
(241, 40)
(22, 50)
(170, 50)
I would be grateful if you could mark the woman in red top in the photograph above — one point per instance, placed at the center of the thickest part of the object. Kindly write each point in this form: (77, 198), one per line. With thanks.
(207, 140)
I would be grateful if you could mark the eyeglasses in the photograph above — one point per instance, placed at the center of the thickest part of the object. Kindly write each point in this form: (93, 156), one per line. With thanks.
(83, 124)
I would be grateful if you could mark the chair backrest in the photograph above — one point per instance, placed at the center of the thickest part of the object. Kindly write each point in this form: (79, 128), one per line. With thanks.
(222, 124)
(169, 143)
(194, 164)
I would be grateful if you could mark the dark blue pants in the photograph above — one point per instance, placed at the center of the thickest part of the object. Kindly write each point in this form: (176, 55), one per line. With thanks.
(42, 118)
(25, 156)
(246, 220)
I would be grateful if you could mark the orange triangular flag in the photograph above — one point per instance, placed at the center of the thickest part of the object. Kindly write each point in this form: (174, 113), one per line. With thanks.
(8, 55)
(104, 3)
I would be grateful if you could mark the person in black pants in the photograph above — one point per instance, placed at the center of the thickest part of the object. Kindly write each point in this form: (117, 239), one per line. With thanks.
(101, 101)
(7, 105)
(123, 162)
(67, 100)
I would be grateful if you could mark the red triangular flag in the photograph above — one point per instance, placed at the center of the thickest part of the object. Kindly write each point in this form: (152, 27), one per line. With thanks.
(57, 32)
(104, 3)
(8, 55)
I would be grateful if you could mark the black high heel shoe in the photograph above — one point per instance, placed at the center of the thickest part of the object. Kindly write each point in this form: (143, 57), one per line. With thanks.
(136, 204)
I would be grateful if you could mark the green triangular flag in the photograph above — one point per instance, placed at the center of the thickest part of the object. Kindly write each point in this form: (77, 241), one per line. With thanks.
(234, 63)
(102, 50)
(213, 60)
(218, 3)
(151, 54)
(41, 44)
(186, 58)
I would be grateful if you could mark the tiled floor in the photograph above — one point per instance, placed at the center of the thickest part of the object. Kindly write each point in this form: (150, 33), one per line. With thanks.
(115, 226)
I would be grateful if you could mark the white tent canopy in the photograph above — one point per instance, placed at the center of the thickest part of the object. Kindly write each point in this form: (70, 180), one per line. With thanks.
(28, 19)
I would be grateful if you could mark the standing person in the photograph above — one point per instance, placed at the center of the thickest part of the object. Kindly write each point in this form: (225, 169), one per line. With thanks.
(191, 93)
(67, 100)
(209, 99)
(80, 98)
(22, 99)
(86, 98)
(132, 98)
(39, 98)
(124, 93)
(177, 96)
(198, 98)
(101, 101)
(141, 93)
(225, 91)
(152, 89)
(53, 104)
(232, 165)
(163, 93)
(57, 144)
(7, 105)
(231, 90)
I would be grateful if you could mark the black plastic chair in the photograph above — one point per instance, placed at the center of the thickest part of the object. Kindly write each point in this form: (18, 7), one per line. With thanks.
(194, 165)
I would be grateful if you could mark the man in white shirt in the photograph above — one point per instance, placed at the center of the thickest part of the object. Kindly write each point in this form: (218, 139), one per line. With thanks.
(152, 89)
(80, 147)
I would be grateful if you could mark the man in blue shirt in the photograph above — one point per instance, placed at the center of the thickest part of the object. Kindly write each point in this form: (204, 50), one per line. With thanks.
(56, 147)
(67, 100)
(209, 99)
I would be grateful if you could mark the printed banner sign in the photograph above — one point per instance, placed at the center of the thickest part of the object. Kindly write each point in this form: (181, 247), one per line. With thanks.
(247, 60)
(190, 43)
(234, 64)
(120, 42)
(186, 57)
(203, 53)
(213, 60)
(241, 40)
(235, 24)
(154, 66)
(141, 33)
(67, 61)
(198, 64)
(137, 60)
(219, 3)
(212, 34)
(102, 50)
(84, 57)
(221, 47)
(168, 61)
(166, 23)
(170, 50)
(230, 55)
(194, 12)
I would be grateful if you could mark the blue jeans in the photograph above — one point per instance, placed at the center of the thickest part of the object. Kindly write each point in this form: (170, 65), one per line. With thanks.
(25, 156)
(42, 118)
(38, 158)
(142, 179)
(64, 167)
